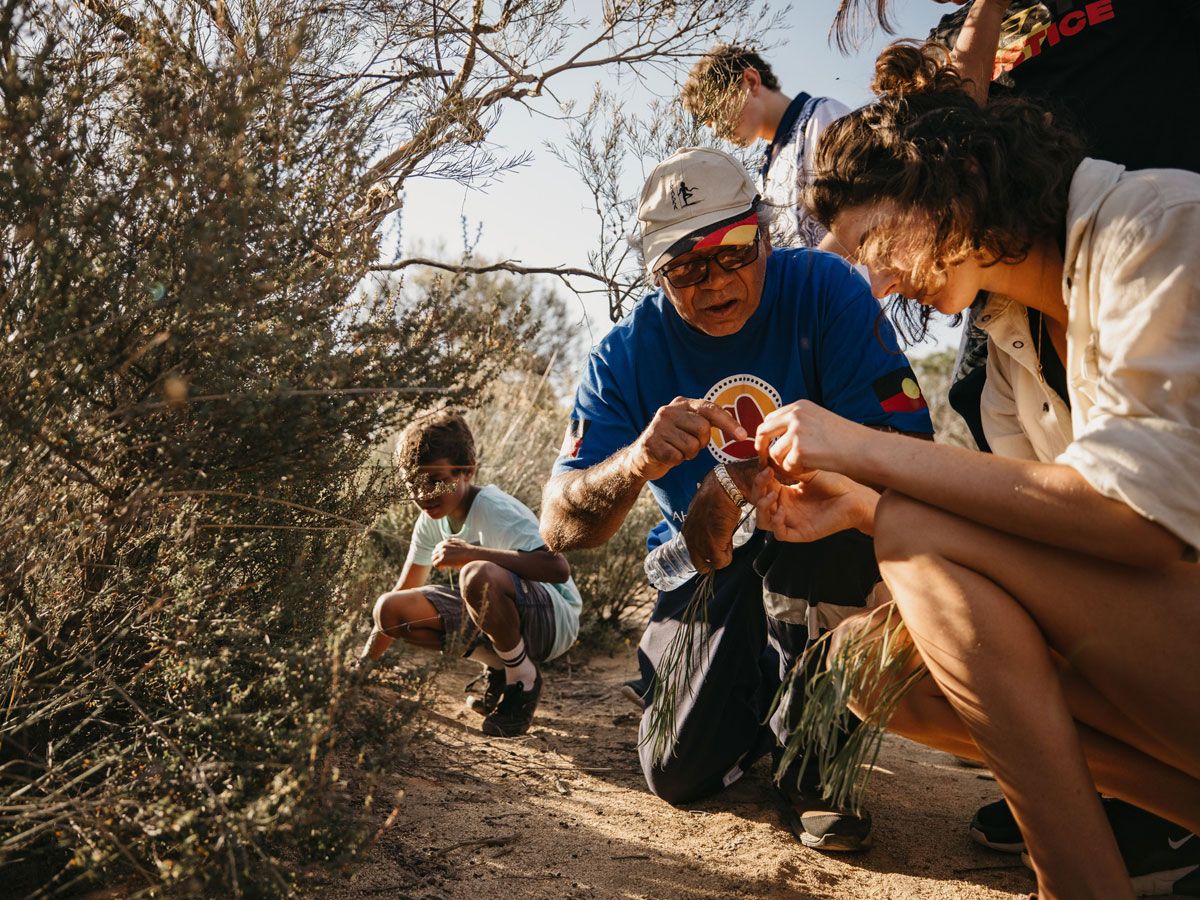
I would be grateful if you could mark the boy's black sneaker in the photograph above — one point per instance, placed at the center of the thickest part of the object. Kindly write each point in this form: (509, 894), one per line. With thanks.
(514, 713)
(492, 692)
(635, 691)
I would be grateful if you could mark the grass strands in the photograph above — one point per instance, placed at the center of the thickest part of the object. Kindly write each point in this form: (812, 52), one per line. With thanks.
(879, 663)
(673, 671)
(672, 674)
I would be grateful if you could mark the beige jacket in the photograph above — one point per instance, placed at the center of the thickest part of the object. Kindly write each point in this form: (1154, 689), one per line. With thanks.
(1131, 281)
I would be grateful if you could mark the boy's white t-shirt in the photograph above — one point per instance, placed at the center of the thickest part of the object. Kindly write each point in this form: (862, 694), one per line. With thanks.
(501, 522)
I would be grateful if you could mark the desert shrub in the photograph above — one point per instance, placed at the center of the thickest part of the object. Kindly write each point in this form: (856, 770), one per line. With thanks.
(195, 373)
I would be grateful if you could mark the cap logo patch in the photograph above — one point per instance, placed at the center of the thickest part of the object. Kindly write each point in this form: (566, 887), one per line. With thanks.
(682, 195)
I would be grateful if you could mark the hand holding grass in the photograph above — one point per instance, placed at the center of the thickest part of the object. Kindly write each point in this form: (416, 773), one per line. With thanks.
(678, 432)
(708, 530)
(454, 554)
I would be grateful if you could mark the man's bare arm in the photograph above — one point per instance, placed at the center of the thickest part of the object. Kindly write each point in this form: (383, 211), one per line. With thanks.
(584, 509)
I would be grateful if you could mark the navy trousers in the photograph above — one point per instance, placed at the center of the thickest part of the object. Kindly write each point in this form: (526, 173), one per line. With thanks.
(721, 714)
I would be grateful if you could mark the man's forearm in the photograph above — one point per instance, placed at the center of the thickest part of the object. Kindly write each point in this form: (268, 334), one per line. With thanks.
(584, 509)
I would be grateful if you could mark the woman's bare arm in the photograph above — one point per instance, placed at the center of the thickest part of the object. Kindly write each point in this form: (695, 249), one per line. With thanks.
(974, 52)
(1045, 502)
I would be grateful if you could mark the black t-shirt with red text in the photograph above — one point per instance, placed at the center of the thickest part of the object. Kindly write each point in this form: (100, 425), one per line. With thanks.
(1125, 73)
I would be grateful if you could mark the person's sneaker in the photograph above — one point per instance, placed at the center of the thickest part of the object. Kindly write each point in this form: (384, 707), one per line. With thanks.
(994, 826)
(838, 830)
(514, 713)
(1162, 858)
(821, 827)
(492, 692)
(1180, 882)
(635, 692)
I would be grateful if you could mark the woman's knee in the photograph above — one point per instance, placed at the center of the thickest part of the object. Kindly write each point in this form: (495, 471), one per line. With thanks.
(903, 527)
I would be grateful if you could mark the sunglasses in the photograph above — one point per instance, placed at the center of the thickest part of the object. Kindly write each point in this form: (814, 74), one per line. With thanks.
(693, 271)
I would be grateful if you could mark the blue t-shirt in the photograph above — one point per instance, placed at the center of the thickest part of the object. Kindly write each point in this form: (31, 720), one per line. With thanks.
(817, 334)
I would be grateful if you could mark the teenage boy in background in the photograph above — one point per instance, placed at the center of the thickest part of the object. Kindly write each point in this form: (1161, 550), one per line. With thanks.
(735, 92)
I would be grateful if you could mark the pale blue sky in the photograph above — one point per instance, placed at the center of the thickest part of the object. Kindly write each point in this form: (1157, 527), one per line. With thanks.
(539, 214)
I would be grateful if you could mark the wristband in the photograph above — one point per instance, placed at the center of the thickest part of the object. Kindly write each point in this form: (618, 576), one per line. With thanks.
(730, 487)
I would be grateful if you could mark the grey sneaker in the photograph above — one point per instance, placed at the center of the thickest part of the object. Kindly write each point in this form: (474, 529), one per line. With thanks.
(820, 826)
(836, 830)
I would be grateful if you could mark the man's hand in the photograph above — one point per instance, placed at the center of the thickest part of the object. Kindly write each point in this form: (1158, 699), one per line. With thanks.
(453, 554)
(817, 505)
(708, 530)
(679, 431)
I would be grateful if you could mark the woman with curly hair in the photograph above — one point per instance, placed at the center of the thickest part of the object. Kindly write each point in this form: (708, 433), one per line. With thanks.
(1050, 589)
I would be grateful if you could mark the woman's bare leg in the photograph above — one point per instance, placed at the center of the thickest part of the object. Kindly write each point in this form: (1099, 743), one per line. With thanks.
(985, 610)
(1118, 767)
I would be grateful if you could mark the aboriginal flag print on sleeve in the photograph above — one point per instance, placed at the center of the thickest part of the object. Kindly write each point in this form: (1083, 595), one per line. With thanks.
(899, 391)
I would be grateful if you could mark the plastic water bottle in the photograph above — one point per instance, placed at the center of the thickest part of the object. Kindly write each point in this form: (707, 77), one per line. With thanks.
(668, 565)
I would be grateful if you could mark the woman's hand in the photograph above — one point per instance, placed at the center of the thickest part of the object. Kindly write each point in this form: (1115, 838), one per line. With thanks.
(453, 554)
(802, 436)
(817, 505)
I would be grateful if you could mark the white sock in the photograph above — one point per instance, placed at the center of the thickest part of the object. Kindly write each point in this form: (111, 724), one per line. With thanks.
(487, 656)
(518, 666)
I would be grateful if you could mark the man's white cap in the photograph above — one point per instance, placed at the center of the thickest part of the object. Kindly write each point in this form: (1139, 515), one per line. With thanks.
(690, 195)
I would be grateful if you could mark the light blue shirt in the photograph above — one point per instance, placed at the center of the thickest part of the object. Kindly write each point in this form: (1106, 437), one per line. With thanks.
(501, 522)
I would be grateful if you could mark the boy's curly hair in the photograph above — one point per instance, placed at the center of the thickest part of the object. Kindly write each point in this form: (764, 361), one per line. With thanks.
(440, 435)
(949, 177)
(709, 91)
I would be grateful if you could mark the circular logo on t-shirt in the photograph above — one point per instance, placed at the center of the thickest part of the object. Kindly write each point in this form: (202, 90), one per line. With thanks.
(748, 399)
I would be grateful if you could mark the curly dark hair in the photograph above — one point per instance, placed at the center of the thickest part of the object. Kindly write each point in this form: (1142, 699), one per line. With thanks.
(950, 178)
(440, 435)
(709, 92)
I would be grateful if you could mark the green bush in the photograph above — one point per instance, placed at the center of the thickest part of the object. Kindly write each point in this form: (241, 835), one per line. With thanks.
(194, 376)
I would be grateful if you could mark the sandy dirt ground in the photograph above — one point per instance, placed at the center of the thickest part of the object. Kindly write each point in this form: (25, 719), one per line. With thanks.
(563, 812)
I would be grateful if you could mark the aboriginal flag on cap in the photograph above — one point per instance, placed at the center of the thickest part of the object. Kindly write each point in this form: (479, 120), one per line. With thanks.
(737, 230)
(898, 391)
